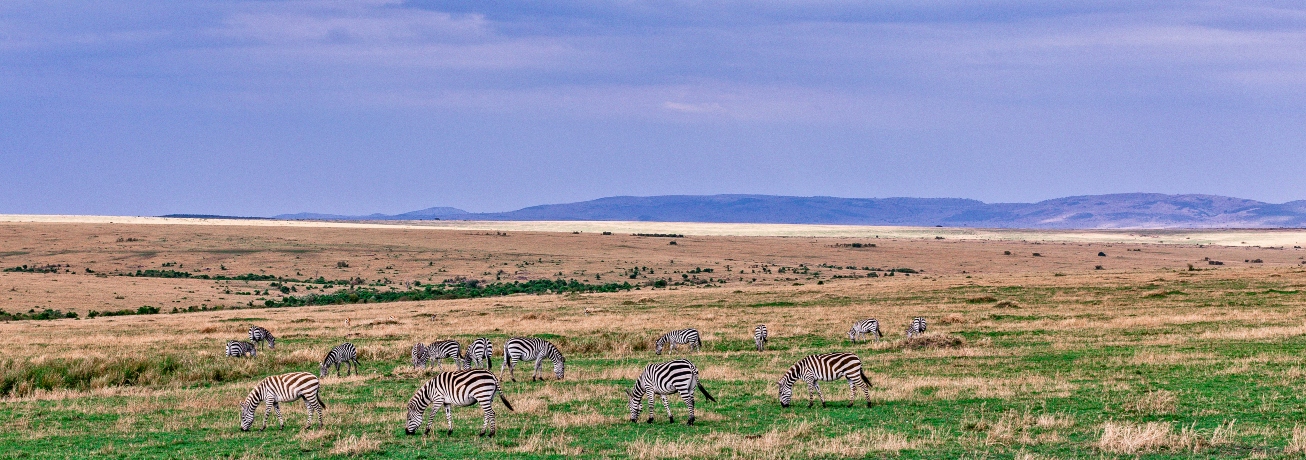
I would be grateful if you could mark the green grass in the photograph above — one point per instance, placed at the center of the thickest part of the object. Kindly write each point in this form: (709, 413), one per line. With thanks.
(988, 399)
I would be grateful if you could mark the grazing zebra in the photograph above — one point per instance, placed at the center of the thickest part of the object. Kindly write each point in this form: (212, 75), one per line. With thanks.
(456, 389)
(419, 355)
(531, 349)
(283, 388)
(441, 349)
(824, 367)
(238, 349)
(344, 353)
(683, 336)
(257, 334)
(759, 336)
(916, 328)
(480, 350)
(661, 379)
(866, 326)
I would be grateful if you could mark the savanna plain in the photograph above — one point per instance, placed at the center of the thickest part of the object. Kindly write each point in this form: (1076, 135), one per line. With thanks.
(1040, 345)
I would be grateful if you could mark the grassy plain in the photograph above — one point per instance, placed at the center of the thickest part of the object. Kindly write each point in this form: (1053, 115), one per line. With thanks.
(1027, 357)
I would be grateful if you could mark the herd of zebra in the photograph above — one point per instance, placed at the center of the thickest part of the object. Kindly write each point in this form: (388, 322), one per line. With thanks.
(470, 384)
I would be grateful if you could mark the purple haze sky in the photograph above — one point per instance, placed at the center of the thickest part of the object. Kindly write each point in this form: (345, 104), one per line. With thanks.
(265, 107)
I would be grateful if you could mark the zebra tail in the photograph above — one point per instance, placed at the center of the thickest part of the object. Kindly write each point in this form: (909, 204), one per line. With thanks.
(705, 393)
(864, 379)
(505, 401)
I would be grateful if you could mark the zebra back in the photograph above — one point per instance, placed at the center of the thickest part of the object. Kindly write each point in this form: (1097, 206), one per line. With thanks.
(239, 349)
(679, 337)
(341, 354)
(759, 336)
(531, 349)
(284, 388)
(458, 388)
(258, 334)
(917, 327)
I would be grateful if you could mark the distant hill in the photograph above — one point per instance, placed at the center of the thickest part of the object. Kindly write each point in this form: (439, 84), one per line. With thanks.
(1126, 210)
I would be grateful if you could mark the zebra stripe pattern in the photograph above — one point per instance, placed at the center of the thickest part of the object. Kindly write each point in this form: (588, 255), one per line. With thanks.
(916, 328)
(825, 367)
(441, 349)
(419, 355)
(283, 388)
(759, 336)
(238, 349)
(531, 349)
(480, 350)
(344, 353)
(683, 337)
(258, 334)
(866, 326)
(661, 379)
(456, 389)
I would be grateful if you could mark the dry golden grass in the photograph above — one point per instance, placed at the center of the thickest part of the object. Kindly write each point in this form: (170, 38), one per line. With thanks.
(355, 446)
(794, 441)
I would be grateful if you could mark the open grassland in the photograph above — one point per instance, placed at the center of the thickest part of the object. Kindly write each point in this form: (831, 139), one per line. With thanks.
(1027, 356)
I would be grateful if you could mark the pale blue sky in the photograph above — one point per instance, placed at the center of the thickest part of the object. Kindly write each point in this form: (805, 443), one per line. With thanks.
(266, 107)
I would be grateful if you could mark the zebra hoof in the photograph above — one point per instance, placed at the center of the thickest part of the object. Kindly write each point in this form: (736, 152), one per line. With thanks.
(671, 420)
(448, 433)
(481, 434)
(650, 421)
(690, 422)
(868, 404)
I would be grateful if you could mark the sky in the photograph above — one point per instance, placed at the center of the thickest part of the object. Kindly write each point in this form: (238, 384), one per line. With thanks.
(265, 107)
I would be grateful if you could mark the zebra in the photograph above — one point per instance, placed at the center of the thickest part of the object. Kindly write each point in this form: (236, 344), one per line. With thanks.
(419, 355)
(916, 328)
(344, 353)
(866, 326)
(283, 388)
(238, 349)
(824, 367)
(759, 336)
(531, 349)
(683, 336)
(258, 334)
(456, 389)
(480, 350)
(441, 349)
(661, 379)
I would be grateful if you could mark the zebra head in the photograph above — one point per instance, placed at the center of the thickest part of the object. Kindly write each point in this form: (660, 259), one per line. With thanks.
(852, 334)
(253, 352)
(786, 387)
(414, 420)
(635, 403)
(322, 369)
(247, 411)
(662, 342)
(272, 341)
(559, 366)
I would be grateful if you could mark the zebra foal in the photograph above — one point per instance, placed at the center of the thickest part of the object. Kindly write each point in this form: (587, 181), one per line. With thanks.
(759, 336)
(683, 337)
(238, 349)
(345, 354)
(277, 389)
(824, 367)
(519, 349)
(661, 379)
(866, 326)
(456, 389)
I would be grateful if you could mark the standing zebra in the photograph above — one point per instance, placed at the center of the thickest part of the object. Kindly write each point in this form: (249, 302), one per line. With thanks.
(283, 388)
(456, 389)
(531, 349)
(661, 379)
(344, 353)
(480, 350)
(441, 349)
(866, 326)
(258, 334)
(916, 328)
(824, 367)
(683, 336)
(238, 349)
(419, 355)
(759, 336)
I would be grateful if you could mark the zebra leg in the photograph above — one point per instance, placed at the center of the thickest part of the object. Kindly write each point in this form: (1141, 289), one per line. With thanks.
(448, 416)
(308, 408)
(852, 388)
(652, 402)
(538, 362)
(667, 404)
(281, 423)
(688, 397)
(487, 411)
(266, 413)
(430, 421)
(507, 362)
